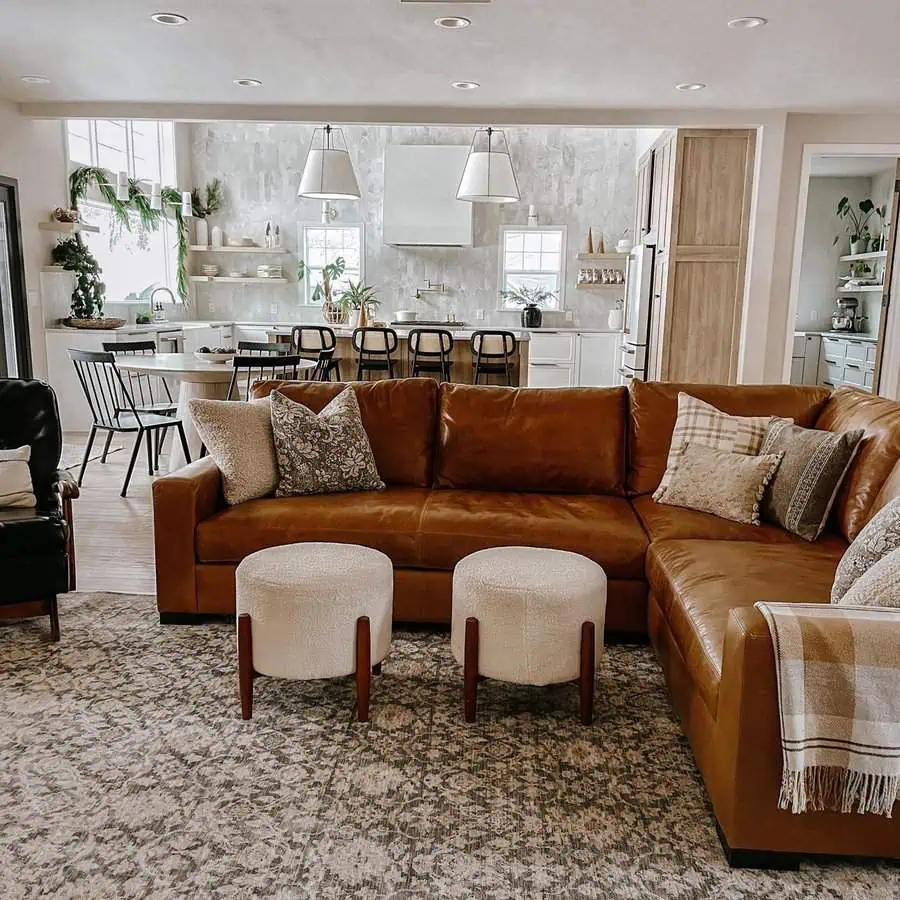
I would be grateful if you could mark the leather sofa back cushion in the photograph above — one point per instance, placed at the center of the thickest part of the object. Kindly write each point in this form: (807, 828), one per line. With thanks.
(559, 440)
(399, 415)
(654, 409)
(876, 459)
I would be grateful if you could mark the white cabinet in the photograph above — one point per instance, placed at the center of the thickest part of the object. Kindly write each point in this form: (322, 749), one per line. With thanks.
(550, 375)
(805, 358)
(258, 334)
(74, 413)
(553, 347)
(848, 361)
(597, 359)
(199, 336)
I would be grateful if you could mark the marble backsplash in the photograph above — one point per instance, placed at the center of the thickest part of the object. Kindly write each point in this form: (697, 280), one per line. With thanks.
(577, 177)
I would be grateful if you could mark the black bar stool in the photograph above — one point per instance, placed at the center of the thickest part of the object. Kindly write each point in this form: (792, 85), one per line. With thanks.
(430, 349)
(493, 353)
(310, 342)
(375, 349)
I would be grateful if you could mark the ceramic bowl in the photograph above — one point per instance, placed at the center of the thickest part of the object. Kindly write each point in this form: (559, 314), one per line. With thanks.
(216, 358)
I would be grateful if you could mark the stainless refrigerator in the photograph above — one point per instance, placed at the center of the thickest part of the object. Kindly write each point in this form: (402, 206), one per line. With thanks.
(638, 354)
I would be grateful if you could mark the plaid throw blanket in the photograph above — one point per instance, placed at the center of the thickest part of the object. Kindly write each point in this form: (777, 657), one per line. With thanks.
(838, 671)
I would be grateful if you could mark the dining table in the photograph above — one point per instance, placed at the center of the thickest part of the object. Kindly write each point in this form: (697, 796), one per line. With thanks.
(194, 378)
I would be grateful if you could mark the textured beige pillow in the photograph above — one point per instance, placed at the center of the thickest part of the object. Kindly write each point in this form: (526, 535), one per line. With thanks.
(729, 485)
(327, 453)
(701, 423)
(880, 537)
(238, 437)
(15, 478)
(878, 586)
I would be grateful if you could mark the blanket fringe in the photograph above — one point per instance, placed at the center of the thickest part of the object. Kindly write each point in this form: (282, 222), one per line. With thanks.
(828, 787)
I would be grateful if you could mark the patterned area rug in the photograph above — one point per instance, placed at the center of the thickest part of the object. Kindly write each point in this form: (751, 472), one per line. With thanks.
(125, 771)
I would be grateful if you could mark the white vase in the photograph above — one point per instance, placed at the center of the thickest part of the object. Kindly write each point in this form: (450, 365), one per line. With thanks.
(217, 236)
(615, 319)
(201, 233)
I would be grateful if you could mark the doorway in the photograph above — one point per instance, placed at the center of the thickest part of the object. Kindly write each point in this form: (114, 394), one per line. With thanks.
(15, 345)
(843, 269)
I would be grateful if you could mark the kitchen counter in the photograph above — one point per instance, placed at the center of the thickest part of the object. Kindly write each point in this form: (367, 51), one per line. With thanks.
(152, 328)
(843, 335)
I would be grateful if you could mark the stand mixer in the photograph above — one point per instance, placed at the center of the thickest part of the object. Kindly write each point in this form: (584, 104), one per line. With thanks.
(844, 318)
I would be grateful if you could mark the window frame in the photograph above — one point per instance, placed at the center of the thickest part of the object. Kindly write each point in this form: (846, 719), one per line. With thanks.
(308, 284)
(561, 230)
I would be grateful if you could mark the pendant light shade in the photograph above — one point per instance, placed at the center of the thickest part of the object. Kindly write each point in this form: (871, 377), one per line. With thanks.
(328, 173)
(122, 186)
(155, 196)
(187, 209)
(488, 176)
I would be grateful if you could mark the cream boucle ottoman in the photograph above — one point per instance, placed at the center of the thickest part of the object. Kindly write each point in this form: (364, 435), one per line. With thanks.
(313, 610)
(528, 616)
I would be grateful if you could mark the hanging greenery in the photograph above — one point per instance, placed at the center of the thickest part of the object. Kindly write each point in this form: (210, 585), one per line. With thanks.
(86, 177)
(214, 200)
(88, 295)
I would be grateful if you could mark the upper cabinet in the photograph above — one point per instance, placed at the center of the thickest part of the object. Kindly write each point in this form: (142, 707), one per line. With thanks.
(420, 205)
(642, 197)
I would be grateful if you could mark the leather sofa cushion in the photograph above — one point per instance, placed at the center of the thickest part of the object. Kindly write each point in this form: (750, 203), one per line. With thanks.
(605, 529)
(666, 523)
(696, 583)
(879, 451)
(654, 409)
(26, 533)
(387, 520)
(558, 441)
(399, 415)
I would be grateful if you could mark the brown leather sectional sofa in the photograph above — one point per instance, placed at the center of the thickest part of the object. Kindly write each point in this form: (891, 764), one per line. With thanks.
(475, 467)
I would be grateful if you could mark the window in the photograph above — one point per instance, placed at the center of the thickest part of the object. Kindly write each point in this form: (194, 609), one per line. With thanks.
(533, 257)
(323, 244)
(132, 263)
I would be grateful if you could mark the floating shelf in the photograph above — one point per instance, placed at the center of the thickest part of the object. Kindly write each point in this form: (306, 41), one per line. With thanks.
(861, 257)
(594, 287)
(862, 289)
(227, 279)
(199, 248)
(600, 257)
(68, 227)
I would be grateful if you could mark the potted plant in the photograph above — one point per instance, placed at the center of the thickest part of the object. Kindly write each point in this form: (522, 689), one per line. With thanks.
(202, 211)
(531, 299)
(360, 297)
(857, 222)
(89, 291)
(333, 313)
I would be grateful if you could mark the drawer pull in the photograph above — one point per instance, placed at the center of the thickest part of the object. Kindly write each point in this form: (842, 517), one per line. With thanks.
(852, 365)
(629, 351)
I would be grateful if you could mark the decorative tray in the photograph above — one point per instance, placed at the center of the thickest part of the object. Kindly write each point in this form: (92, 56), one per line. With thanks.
(97, 324)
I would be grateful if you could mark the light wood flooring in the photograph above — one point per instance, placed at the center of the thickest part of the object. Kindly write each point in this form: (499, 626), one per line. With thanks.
(113, 535)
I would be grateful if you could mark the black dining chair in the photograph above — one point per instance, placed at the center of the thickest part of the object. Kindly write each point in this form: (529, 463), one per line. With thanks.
(150, 393)
(430, 350)
(493, 353)
(375, 349)
(113, 410)
(264, 348)
(311, 342)
(247, 369)
(324, 366)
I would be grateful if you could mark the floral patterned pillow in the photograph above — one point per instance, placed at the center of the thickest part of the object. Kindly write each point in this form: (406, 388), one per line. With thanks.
(880, 537)
(327, 453)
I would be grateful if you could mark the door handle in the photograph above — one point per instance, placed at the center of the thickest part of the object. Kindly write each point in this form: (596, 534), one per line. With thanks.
(628, 351)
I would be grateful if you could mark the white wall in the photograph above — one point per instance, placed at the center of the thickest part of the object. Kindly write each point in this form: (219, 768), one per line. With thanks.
(33, 152)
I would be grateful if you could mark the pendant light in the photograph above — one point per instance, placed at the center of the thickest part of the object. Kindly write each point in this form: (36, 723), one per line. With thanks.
(187, 209)
(328, 173)
(488, 176)
(122, 187)
(155, 196)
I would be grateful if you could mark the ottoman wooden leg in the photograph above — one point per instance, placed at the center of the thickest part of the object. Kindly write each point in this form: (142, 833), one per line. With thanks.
(586, 680)
(363, 667)
(245, 665)
(470, 670)
(376, 669)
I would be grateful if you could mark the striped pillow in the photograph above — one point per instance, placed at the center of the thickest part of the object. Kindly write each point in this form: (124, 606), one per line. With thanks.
(15, 478)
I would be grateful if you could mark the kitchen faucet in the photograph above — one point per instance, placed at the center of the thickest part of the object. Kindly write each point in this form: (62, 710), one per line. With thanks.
(156, 312)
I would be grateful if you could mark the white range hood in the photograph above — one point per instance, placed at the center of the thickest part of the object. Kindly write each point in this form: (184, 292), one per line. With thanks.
(420, 207)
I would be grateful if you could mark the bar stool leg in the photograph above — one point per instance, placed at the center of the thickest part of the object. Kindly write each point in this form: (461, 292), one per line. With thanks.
(470, 670)
(586, 679)
(363, 667)
(245, 665)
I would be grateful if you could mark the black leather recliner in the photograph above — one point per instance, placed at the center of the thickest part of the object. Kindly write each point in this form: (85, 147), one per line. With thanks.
(37, 551)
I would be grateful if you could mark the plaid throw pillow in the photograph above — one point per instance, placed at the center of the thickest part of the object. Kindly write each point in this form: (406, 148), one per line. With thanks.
(701, 423)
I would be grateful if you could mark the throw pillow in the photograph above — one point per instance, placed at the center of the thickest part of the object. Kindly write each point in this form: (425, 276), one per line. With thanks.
(238, 437)
(15, 478)
(325, 453)
(730, 485)
(878, 586)
(814, 465)
(880, 536)
(701, 423)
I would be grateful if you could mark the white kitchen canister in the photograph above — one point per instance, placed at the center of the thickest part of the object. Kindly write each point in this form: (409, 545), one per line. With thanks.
(217, 236)
(201, 232)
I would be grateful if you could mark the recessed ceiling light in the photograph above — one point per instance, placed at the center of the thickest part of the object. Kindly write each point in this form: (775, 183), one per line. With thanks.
(35, 79)
(466, 85)
(748, 22)
(247, 82)
(690, 86)
(169, 19)
(452, 22)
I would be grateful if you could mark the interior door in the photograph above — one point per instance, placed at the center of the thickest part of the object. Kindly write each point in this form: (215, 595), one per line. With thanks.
(15, 350)
(889, 269)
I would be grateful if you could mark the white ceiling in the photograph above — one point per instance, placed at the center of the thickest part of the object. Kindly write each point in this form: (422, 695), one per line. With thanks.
(815, 55)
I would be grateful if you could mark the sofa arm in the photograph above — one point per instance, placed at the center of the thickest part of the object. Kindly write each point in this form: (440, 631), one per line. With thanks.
(66, 486)
(180, 502)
